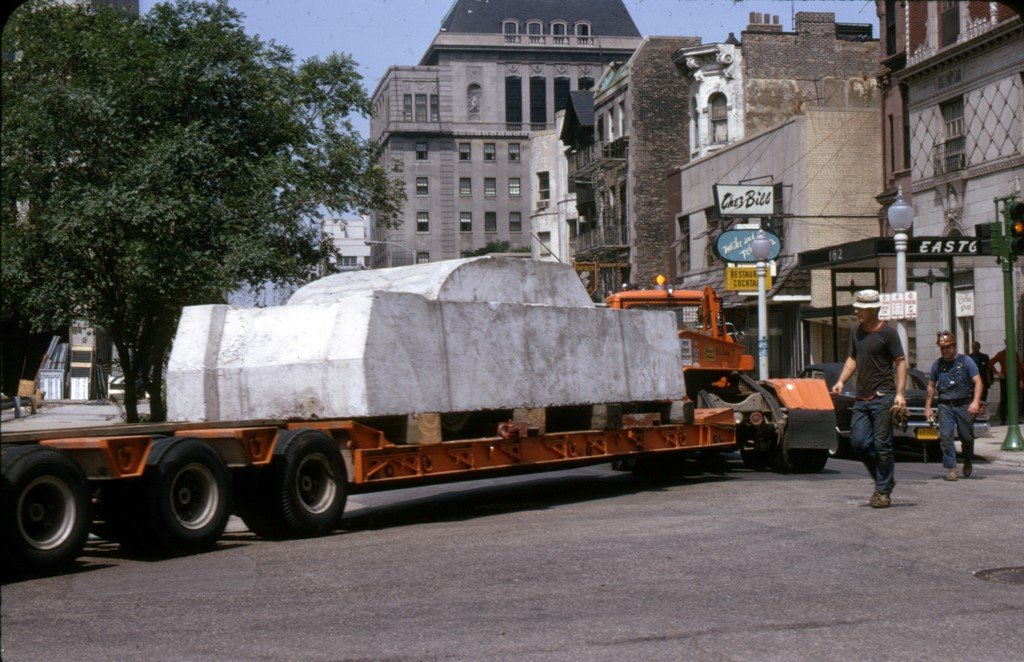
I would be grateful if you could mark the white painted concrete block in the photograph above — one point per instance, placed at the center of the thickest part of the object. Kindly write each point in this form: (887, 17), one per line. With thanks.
(372, 353)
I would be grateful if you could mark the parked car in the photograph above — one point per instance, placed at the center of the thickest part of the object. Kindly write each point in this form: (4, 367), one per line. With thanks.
(919, 432)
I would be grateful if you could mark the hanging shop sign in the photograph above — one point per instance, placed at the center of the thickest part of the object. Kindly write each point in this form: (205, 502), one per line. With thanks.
(744, 279)
(965, 303)
(734, 246)
(745, 200)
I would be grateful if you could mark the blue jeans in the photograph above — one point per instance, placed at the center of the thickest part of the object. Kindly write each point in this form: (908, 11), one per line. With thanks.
(953, 421)
(871, 438)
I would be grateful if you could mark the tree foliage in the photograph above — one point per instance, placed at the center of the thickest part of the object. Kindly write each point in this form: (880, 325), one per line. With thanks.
(155, 162)
(497, 246)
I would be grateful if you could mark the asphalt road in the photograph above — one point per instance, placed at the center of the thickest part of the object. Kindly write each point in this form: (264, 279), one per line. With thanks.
(583, 564)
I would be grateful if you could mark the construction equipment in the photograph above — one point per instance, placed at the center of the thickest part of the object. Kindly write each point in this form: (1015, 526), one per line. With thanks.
(785, 424)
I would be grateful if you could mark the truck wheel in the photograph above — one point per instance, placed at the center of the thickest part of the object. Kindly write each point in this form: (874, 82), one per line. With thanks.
(755, 460)
(46, 510)
(842, 448)
(302, 492)
(800, 460)
(180, 506)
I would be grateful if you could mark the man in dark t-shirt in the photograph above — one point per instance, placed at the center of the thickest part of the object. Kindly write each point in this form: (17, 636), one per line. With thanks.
(875, 349)
(981, 360)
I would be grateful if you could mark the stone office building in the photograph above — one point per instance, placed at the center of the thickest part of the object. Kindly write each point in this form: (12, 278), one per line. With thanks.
(954, 79)
(458, 124)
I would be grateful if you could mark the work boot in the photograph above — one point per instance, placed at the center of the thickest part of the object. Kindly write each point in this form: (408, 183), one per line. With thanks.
(951, 475)
(968, 468)
(880, 500)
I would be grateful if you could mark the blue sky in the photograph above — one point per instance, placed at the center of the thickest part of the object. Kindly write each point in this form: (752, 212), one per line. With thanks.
(379, 33)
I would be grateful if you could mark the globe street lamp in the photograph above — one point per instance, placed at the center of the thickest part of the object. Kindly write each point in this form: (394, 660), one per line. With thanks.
(370, 242)
(761, 247)
(901, 217)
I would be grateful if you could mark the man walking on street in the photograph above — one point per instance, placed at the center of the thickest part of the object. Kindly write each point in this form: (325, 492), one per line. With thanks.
(875, 349)
(999, 367)
(984, 369)
(956, 383)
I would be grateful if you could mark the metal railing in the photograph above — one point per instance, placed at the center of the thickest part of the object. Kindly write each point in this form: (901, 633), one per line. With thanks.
(607, 236)
(949, 156)
(595, 153)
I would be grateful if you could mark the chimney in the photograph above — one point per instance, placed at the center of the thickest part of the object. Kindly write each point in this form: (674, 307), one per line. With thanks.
(763, 23)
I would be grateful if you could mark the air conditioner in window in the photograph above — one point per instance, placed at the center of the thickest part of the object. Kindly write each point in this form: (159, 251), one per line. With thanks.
(542, 204)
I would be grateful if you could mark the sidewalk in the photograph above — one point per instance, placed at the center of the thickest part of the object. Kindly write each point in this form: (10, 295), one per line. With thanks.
(60, 414)
(988, 448)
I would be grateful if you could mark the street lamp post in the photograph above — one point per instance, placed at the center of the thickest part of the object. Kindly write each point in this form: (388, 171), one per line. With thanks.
(370, 242)
(901, 217)
(761, 247)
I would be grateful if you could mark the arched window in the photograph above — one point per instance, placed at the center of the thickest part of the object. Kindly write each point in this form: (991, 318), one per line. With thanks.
(473, 99)
(718, 116)
(534, 28)
(510, 27)
(558, 28)
(583, 29)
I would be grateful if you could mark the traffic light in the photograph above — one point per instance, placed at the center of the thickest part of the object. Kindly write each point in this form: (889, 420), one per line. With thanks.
(1015, 229)
(983, 231)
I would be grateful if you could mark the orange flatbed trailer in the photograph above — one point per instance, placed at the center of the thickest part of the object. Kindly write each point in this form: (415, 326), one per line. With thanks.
(170, 488)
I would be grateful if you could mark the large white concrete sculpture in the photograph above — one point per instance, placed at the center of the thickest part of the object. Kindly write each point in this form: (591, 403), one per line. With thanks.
(452, 336)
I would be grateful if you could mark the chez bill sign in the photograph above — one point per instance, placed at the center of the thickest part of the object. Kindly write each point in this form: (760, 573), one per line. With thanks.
(745, 200)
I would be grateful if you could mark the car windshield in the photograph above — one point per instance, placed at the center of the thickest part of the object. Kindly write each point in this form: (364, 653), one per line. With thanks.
(687, 317)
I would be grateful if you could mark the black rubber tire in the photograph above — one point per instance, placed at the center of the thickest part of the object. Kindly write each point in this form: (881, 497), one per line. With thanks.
(807, 460)
(181, 505)
(301, 494)
(755, 460)
(47, 510)
(843, 448)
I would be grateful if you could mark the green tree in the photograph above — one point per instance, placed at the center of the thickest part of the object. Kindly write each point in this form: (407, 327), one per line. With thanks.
(497, 246)
(161, 161)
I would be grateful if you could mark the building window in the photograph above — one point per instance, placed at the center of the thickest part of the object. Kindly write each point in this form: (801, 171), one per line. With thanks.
(719, 117)
(490, 221)
(435, 113)
(561, 93)
(490, 186)
(473, 99)
(585, 83)
(422, 186)
(538, 100)
(949, 22)
(406, 107)
(421, 151)
(558, 29)
(510, 27)
(905, 112)
(423, 221)
(513, 100)
(466, 221)
(515, 221)
(514, 187)
(544, 245)
(534, 28)
(422, 257)
(465, 186)
(583, 29)
(465, 152)
(421, 107)
(949, 155)
(714, 223)
(489, 151)
(513, 151)
(543, 185)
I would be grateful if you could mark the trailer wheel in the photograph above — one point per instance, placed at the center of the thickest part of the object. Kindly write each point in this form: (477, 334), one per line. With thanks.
(181, 505)
(302, 493)
(46, 510)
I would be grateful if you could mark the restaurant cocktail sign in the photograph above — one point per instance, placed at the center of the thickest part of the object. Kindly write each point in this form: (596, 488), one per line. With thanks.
(744, 200)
